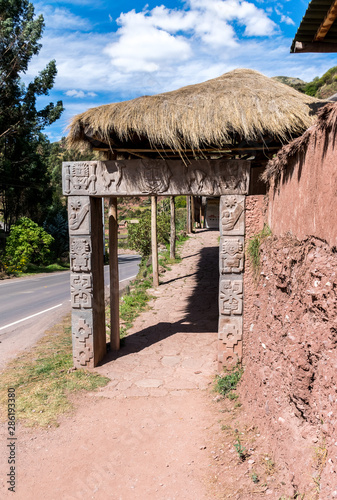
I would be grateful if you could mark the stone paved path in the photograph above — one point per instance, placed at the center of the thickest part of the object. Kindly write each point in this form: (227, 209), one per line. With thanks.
(143, 436)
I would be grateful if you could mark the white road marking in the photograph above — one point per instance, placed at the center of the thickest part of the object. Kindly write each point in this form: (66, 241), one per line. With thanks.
(29, 317)
(50, 309)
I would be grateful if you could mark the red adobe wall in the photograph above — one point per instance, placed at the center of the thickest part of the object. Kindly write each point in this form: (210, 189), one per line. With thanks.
(304, 201)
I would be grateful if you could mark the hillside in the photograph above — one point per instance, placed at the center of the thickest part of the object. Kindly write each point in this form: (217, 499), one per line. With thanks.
(322, 87)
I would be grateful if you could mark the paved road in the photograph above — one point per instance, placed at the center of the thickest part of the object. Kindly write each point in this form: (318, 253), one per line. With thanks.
(22, 299)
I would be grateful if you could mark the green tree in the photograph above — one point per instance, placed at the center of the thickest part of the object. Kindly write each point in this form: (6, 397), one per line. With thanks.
(139, 235)
(24, 179)
(27, 243)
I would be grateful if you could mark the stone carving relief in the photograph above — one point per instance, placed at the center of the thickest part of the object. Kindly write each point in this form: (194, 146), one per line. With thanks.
(84, 342)
(80, 254)
(230, 331)
(79, 214)
(234, 180)
(80, 176)
(231, 256)
(195, 181)
(228, 358)
(155, 178)
(231, 297)
(112, 180)
(232, 214)
(81, 291)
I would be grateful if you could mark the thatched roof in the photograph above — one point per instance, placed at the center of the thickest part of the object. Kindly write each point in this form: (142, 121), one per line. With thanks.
(243, 105)
(326, 123)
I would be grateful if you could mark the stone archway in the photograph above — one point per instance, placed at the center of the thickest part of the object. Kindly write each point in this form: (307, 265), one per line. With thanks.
(85, 183)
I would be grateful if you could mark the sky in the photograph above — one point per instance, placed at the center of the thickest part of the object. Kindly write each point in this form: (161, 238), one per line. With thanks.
(110, 51)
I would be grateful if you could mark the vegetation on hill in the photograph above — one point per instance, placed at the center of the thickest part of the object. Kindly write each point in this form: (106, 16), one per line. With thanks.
(321, 87)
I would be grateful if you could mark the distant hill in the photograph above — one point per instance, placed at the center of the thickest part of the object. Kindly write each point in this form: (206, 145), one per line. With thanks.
(322, 87)
(294, 82)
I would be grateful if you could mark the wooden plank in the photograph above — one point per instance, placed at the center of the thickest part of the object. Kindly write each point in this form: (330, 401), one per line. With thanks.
(322, 47)
(188, 215)
(173, 228)
(327, 22)
(154, 244)
(114, 277)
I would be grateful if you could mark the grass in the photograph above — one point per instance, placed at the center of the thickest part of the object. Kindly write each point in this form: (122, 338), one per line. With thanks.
(42, 382)
(225, 384)
(253, 248)
(52, 268)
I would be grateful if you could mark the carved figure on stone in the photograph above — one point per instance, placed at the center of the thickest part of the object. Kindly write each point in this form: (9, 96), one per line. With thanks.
(155, 178)
(231, 297)
(195, 181)
(81, 291)
(232, 256)
(230, 334)
(234, 179)
(78, 213)
(83, 331)
(115, 178)
(80, 255)
(231, 213)
(81, 176)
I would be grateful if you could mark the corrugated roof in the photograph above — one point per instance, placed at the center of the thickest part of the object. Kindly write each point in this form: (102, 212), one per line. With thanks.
(315, 15)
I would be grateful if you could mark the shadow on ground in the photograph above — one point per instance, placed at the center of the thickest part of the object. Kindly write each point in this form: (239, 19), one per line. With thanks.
(201, 314)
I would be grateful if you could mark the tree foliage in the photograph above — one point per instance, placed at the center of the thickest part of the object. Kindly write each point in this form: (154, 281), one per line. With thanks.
(24, 179)
(139, 235)
(27, 243)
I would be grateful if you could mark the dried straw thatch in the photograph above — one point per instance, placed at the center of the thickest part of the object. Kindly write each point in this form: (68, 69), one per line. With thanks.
(326, 124)
(241, 103)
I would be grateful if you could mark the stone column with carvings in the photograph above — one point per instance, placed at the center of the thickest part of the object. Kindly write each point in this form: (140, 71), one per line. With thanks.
(232, 231)
(86, 280)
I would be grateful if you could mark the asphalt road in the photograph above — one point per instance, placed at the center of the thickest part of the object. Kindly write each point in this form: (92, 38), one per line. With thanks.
(22, 299)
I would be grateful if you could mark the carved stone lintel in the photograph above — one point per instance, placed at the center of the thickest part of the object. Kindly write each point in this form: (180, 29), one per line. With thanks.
(231, 255)
(80, 254)
(154, 177)
(230, 301)
(81, 291)
(232, 221)
(80, 177)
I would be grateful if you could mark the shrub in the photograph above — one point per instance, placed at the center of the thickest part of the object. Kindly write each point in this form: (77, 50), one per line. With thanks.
(27, 243)
(139, 235)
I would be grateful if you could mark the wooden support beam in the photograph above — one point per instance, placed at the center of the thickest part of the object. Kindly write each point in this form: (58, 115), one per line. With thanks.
(114, 278)
(192, 214)
(188, 205)
(321, 47)
(154, 244)
(173, 228)
(98, 305)
(327, 22)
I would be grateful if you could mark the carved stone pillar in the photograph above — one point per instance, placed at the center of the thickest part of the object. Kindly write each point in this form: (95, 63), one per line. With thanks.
(232, 230)
(87, 280)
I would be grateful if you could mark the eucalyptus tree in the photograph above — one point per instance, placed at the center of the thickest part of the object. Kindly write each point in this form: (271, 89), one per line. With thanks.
(24, 178)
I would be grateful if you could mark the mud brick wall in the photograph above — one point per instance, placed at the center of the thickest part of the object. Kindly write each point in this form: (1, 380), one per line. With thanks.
(304, 201)
(289, 385)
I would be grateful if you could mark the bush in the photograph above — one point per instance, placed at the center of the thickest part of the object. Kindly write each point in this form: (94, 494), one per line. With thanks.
(139, 235)
(27, 243)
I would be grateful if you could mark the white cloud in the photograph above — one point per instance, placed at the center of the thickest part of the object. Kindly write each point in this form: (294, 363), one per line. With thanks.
(79, 94)
(58, 18)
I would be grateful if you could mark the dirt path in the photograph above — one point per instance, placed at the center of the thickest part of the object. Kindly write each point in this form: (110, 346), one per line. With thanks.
(146, 434)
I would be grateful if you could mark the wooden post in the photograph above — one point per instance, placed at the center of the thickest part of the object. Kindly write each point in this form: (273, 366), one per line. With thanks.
(173, 228)
(154, 241)
(188, 204)
(114, 278)
(192, 214)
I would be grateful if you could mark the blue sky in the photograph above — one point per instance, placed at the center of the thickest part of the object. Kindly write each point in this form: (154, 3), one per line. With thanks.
(109, 51)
